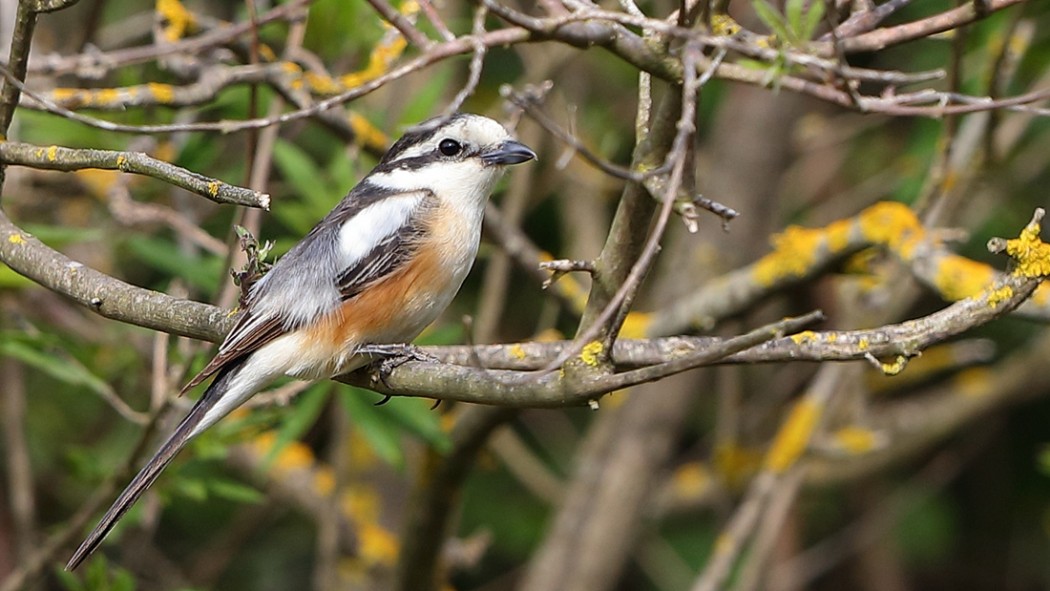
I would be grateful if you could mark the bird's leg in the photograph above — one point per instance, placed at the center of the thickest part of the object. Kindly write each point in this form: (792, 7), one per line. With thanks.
(391, 356)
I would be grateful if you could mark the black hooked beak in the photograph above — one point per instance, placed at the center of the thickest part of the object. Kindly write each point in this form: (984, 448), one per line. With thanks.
(509, 152)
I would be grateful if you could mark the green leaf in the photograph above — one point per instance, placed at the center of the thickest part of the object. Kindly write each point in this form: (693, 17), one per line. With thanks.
(793, 16)
(415, 416)
(380, 432)
(161, 254)
(307, 181)
(813, 18)
(9, 279)
(225, 488)
(768, 14)
(60, 367)
(192, 488)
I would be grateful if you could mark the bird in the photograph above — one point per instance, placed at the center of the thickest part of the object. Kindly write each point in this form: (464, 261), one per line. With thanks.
(375, 271)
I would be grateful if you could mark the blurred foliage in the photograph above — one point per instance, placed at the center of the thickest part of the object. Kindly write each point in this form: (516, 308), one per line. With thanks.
(832, 165)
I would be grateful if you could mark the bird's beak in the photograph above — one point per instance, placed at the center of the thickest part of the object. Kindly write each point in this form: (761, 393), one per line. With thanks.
(509, 152)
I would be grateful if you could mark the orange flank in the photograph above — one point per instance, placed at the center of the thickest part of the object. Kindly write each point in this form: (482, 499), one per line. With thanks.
(364, 317)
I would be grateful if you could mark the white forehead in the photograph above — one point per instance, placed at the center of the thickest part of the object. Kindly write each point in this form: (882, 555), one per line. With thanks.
(472, 130)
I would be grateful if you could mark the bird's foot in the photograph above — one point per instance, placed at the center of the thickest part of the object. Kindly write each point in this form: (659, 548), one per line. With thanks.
(389, 357)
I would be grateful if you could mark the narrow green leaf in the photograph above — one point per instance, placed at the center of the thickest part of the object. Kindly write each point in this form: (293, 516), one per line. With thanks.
(813, 18)
(415, 416)
(793, 15)
(770, 17)
(307, 408)
(238, 492)
(380, 432)
(60, 367)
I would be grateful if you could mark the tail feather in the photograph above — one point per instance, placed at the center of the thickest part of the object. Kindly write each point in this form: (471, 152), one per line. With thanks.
(160, 460)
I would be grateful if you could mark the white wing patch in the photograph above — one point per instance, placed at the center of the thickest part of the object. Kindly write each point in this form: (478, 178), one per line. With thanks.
(361, 233)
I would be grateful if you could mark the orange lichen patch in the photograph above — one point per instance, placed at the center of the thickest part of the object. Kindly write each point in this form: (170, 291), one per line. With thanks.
(16, 239)
(636, 325)
(1031, 253)
(794, 253)
(893, 225)
(958, 277)
(691, 480)
(974, 382)
(793, 437)
(855, 440)
(52, 153)
(180, 20)
(163, 93)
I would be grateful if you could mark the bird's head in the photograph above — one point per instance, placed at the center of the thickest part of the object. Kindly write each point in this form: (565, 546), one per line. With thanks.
(460, 157)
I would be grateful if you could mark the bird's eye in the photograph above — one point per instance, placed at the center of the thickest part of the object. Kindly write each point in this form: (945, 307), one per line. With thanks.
(450, 147)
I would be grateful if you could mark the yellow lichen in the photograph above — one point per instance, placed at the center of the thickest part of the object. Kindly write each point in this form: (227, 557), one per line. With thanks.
(794, 253)
(1031, 253)
(322, 84)
(324, 481)
(164, 93)
(367, 134)
(735, 463)
(855, 440)
(213, 188)
(997, 296)
(793, 437)
(106, 96)
(591, 353)
(65, 95)
(378, 62)
(16, 239)
(806, 336)
(636, 325)
(893, 225)
(517, 351)
(180, 20)
(723, 25)
(863, 344)
(958, 277)
(52, 153)
(376, 544)
(1042, 294)
(691, 480)
(974, 382)
(838, 234)
(895, 367)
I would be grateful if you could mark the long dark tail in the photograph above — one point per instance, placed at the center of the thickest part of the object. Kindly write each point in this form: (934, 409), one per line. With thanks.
(160, 460)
